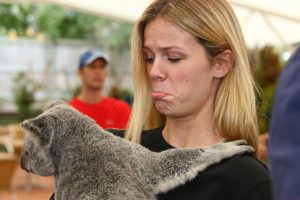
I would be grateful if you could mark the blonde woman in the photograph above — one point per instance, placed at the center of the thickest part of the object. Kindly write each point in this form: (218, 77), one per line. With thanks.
(193, 88)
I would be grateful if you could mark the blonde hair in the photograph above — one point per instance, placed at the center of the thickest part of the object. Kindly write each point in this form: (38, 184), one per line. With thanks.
(215, 26)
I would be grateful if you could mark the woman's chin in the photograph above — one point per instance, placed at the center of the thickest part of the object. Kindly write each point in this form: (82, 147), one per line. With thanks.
(163, 108)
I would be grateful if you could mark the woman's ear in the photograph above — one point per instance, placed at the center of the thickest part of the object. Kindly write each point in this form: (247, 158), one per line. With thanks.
(222, 63)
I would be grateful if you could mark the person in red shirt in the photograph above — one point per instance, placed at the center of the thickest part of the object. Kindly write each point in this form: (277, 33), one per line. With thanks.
(107, 112)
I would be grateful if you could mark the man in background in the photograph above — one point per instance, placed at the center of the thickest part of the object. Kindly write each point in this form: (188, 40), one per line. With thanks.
(284, 145)
(107, 112)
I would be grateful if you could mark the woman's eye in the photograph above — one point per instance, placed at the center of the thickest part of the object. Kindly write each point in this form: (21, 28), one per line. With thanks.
(149, 60)
(174, 60)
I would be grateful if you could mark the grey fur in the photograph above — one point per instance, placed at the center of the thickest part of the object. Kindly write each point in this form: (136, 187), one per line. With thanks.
(91, 163)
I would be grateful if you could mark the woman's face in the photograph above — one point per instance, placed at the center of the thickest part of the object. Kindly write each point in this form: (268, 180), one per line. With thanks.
(179, 69)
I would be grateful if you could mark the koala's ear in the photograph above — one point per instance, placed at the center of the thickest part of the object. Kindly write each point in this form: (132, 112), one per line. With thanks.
(29, 125)
(38, 127)
(51, 104)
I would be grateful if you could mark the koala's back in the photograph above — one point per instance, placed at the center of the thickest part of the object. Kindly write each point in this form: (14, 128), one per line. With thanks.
(120, 191)
(106, 167)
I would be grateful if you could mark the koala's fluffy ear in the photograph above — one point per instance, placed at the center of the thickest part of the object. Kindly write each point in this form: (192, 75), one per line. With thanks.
(29, 125)
(38, 127)
(51, 104)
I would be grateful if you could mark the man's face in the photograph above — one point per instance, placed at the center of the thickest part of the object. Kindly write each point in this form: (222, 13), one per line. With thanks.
(93, 75)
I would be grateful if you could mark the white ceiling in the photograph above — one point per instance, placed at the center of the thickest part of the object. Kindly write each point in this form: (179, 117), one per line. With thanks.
(275, 22)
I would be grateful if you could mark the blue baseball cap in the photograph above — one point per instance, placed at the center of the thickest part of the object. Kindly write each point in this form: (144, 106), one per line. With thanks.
(92, 54)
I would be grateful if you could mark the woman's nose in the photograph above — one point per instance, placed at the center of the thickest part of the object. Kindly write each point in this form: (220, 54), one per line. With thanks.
(157, 71)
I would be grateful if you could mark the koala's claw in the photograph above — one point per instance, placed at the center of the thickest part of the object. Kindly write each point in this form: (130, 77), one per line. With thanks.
(239, 142)
(242, 145)
(231, 148)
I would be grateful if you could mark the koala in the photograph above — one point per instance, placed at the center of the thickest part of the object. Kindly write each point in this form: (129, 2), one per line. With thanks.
(91, 163)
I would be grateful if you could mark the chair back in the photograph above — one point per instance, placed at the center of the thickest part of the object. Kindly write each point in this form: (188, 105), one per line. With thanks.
(7, 166)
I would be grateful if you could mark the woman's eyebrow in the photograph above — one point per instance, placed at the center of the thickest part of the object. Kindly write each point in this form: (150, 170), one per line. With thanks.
(163, 49)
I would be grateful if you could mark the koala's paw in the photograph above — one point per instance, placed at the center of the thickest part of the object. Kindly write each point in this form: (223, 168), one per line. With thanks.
(228, 149)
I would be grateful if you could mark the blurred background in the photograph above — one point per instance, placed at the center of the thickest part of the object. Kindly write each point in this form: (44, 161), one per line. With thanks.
(40, 45)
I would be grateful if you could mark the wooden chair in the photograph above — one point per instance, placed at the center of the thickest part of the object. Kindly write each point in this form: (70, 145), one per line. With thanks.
(7, 167)
(3, 131)
(16, 133)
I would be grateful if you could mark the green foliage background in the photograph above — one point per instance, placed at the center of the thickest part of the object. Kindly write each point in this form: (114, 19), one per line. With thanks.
(24, 93)
(59, 23)
(266, 73)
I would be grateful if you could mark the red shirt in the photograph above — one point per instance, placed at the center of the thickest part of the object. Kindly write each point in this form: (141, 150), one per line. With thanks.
(108, 113)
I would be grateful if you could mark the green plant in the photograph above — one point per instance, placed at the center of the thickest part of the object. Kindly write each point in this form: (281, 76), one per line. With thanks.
(15, 17)
(24, 91)
(266, 74)
(56, 23)
(121, 93)
(127, 96)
